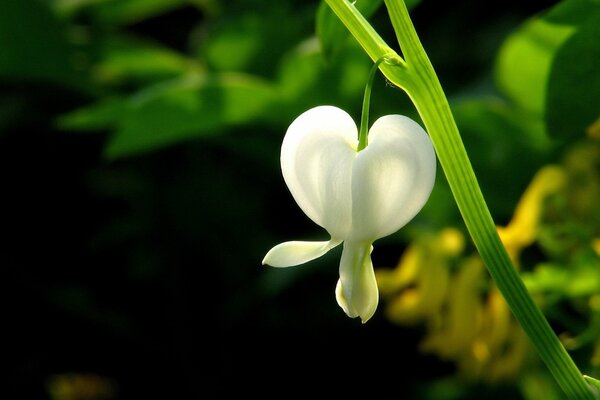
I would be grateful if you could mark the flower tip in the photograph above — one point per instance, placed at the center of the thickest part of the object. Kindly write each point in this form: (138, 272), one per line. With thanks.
(265, 260)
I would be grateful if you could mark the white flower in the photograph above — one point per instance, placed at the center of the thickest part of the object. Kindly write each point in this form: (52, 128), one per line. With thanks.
(358, 197)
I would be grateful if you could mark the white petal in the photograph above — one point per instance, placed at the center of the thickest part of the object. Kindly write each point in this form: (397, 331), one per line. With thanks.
(356, 291)
(288, 254)
(392, 178)
(316, 161)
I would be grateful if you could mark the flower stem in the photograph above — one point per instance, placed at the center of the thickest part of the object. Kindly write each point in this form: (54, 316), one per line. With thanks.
(363, 133)
(418, 78)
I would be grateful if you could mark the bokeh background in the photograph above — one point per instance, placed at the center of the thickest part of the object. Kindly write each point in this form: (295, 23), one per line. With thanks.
(139, 153)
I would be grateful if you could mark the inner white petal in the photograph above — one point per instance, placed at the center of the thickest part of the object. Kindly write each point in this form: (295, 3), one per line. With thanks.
(316, 160)
(392, 178)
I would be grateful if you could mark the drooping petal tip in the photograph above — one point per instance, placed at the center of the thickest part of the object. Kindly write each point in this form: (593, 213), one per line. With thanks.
(356, 291)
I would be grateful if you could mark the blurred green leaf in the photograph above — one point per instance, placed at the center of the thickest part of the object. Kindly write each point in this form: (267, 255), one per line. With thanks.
(104, 114)
(503, 140)
(306, 79)
(583, 280)
(233, 45)
(66, 8)
(33, 44)
(524, 62)
(572, 12)
(332, 33)
(138, 61)
(195, 106)
(330, 30)
(252, 40)
(124, 12)
(443, 389)
(547, 65)
(573, 94)
(537, 385)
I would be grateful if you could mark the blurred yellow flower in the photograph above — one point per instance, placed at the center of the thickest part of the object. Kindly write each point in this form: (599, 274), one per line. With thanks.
(417, 287)
(593, 131)
(523, 228)
(80, 386)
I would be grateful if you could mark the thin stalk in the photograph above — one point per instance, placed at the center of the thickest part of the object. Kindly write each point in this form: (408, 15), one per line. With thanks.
(363, 132)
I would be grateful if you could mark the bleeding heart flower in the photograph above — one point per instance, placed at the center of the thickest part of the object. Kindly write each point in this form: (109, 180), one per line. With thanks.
(358, 197)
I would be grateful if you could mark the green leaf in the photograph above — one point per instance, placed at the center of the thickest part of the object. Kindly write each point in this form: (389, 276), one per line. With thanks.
(186, 108)
(332, 33)
(252, 40)
(126, 59)
(125, 12)
(33, 43)
(99, 116)
(584, 280)
(500, 137)
(524, 62)
(573, 93)
(572, 12)
(536, 384)
(306, 80)
(549, 67)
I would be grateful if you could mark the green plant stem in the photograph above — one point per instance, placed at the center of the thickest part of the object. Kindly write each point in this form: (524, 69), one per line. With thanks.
(363, 132)
(370, 41)
(417, 77)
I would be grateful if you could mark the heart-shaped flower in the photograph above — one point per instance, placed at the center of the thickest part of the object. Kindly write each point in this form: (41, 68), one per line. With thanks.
(358, 197)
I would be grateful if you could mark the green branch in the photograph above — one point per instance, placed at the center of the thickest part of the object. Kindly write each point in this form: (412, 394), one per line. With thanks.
(417, 77)
(370, 41)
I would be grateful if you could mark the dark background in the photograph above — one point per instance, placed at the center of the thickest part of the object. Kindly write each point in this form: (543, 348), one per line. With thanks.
(147, 269)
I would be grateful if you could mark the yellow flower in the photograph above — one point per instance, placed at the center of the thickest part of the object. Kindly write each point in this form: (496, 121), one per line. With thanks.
(80, 386)
(417, 287)
(523, 228)
(464, 324)
(596, 245)
(464, 314)
(593, 131)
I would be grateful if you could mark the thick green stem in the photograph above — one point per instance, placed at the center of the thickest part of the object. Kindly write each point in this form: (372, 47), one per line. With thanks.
(417, 77)
(370, 41)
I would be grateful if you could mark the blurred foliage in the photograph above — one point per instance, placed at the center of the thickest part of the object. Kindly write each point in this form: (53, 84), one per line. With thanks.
(331, 31)
(550, 67)
(139, 145)
(437, 285)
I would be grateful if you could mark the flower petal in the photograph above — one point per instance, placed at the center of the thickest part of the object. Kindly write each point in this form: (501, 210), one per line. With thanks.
(392, 178)
(288, 254)
(316, 161)
(356, 291)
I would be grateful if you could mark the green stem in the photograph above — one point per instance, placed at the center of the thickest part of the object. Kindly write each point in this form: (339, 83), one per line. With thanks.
(363, 132)
(370, 41)
(417, 77)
